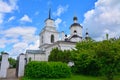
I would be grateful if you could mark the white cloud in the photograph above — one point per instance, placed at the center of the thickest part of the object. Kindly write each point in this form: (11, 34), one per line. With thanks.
(57, 22)
(20, 38)
(13, 4)
(11, 18)
(104, 18)
(34, 46)
(60, 10)
(2, 42)
(7, 7)
(18, 48)
(1, 18)
(19, 30)
(25, 18)
(36, 13)
(64, 24)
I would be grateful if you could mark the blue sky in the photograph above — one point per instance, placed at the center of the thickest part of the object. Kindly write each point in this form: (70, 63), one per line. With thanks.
(22, 20)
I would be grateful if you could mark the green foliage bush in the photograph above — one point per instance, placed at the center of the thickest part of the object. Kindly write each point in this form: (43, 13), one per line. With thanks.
(108, 55)
(97, 58)
(84, 59)
(12, 62)
(59, 55)
(35, 69)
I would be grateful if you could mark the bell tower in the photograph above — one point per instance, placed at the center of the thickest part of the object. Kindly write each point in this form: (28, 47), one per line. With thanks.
(75, 31)
(49, 34)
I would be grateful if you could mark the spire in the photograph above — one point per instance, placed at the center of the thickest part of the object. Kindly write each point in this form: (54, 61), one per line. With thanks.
(49, 17)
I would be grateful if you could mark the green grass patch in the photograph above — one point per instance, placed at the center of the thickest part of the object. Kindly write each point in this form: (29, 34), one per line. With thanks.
(76, 77)
(73, 77)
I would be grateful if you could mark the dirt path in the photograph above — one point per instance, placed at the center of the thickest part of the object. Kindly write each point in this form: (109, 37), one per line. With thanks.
(11, 75)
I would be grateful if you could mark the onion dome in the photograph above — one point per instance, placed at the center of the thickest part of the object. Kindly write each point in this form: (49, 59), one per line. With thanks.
(75, 22)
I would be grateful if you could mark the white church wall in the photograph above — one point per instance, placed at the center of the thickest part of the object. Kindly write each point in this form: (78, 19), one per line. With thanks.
(67, 46)
(36, 57)
(76, 39)
(62, 36)
(78, 29)
(28, 56)
(48, 37)
(40, 57)
(49, 22)
(42, 38)
(45, 37)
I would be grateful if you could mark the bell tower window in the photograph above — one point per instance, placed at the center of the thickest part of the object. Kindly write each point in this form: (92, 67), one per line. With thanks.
(52, 38)
(42, 39)
(75, 31)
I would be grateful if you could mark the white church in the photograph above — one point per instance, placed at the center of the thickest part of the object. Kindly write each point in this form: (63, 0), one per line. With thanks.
(50, 38)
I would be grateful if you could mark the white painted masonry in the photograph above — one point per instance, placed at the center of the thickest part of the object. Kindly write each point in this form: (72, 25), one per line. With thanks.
(4, 65)
(21, 67)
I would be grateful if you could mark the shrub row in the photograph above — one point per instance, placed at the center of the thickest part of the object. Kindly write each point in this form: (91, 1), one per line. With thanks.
(37, 69)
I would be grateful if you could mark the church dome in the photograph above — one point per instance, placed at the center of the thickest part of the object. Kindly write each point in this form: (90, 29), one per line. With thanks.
(75, 22)
(75, 18)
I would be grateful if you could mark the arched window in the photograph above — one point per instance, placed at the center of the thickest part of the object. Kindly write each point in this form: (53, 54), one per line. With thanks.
(42, 39)
(52, 38)
(75, 31)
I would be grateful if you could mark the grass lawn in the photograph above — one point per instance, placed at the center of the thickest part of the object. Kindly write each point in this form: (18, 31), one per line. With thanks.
(75, 77)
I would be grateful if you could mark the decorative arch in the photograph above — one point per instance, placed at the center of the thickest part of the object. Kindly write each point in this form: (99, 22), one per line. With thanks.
(52, 38)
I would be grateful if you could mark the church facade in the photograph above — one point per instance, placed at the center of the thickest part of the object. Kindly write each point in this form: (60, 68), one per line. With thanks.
(49, 39)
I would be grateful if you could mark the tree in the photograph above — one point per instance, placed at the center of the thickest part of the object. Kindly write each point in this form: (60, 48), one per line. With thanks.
(101, 58)
(59, 55)
(84, 59)
(12, 62)
(108, 55)
(54, 54)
